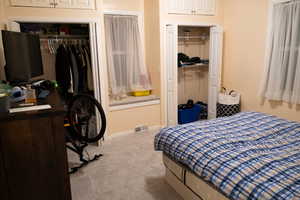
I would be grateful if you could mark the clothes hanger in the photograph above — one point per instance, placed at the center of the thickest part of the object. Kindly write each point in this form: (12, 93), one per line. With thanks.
(52, 46)
(48, 44)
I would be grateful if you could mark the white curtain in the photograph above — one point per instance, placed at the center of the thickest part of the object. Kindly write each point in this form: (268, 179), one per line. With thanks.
(282, 78)
(125, 56)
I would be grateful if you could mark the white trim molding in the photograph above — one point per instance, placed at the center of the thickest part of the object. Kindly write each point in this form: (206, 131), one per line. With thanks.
(54, 19)
(122, 12)
(195, 24)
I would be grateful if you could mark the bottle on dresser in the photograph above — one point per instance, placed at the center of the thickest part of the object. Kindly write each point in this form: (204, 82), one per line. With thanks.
(30, 95)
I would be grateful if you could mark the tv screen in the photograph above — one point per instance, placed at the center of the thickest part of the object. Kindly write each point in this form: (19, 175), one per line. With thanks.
(23, 56)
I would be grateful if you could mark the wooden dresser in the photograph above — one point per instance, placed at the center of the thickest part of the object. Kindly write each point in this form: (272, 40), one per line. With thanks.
(33, 158)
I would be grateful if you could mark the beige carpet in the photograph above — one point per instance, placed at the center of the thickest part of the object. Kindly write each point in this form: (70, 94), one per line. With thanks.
(129, 170)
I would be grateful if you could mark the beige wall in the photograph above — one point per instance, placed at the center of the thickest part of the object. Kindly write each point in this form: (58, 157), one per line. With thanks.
(152, 43)
(127, 120)
(193, 84)
(2, 15)
(245, 26)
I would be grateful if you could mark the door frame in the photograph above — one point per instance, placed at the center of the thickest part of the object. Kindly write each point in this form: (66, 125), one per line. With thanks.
(97, 51)
(215, 55)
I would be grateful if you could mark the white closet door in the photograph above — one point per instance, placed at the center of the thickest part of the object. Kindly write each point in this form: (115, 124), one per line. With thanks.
(177, 6)
(94, 59)
(215, 67)
(79, 4)
(95, 66)
(210, 7)
(43, 3)
(83, 4)
(194, 7)
(63, 3)
(189, 7)
(205, 7)
(33, 3)
(171, 74)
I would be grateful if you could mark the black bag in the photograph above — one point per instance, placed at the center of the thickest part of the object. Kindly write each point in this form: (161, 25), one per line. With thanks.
(227, 110)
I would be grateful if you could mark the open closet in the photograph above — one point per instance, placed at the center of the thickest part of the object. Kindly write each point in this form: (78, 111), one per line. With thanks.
(193, 71)
(66, 56)
(193, 67)
(69, 54)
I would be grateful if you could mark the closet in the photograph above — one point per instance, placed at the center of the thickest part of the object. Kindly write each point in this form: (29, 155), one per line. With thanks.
(66, 55)
(70, 55)
(193, 42)
(193, 59)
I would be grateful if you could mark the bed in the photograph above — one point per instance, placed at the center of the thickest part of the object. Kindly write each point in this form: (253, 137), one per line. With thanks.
(247, 156)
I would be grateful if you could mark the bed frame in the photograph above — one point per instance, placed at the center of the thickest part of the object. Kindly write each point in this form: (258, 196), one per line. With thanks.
(187, 184)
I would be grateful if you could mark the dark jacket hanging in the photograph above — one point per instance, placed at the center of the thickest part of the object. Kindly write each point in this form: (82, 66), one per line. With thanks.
(82, 72)
(62, 68)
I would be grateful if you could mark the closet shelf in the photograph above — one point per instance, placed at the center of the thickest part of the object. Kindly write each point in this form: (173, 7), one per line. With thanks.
(194, 66)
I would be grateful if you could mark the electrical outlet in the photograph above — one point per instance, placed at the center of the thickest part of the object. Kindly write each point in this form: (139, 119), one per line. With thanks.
(141, 129)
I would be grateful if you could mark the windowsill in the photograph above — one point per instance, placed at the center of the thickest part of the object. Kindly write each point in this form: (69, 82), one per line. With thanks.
(133, 102)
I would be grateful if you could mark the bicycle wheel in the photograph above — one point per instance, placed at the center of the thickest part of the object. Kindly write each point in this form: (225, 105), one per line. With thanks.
(86, 117)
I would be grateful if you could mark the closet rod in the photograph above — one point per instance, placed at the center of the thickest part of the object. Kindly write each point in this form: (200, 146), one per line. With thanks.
(190, 37)
(64, 36)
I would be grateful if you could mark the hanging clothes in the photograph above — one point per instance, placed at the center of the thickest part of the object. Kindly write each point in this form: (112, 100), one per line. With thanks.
(73, 69)
(62, 68)
(90, 78)
(80, 67)
(84, 68)
(75, 72)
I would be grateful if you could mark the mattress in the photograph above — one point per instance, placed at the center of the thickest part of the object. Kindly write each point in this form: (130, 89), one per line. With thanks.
(247, 156)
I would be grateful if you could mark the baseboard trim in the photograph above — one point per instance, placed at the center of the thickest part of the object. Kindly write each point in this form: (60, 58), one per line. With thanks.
(129, 132)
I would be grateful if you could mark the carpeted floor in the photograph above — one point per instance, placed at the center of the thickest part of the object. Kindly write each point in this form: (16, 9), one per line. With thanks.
(129, 170)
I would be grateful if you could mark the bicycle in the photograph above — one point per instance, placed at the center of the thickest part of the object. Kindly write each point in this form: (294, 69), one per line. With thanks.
(82, 128)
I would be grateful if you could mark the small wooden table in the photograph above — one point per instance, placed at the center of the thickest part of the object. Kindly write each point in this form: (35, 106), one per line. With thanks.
(33, 158)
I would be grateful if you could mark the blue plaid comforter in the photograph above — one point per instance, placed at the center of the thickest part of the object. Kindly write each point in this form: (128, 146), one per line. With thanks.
(247, 156)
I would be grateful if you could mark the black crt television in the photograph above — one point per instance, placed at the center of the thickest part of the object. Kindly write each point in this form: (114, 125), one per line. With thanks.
(22, 55)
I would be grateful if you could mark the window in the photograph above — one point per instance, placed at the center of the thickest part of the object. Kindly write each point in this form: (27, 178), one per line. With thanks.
(282, 78)
(125, 56)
